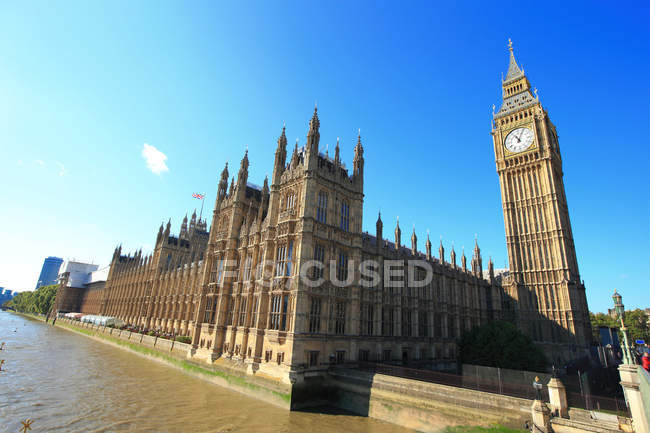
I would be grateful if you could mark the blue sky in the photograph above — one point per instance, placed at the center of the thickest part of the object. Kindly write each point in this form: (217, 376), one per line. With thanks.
(84, 85)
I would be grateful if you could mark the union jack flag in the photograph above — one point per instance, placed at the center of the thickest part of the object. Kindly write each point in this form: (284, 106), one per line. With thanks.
(199, 196)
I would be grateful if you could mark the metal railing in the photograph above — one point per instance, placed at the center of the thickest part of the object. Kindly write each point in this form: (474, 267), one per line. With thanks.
(451, 379)
(474, 382)
(613, 405)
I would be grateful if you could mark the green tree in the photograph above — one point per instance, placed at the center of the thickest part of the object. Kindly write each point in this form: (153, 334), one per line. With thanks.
(39, 301)
(501, 344)
(636, 322)
(600, 319)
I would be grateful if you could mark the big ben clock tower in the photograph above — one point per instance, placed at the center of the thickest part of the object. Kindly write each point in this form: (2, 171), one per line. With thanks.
(546, 296)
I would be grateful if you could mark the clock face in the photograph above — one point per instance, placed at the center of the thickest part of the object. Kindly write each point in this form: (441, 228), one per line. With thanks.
(519, 140)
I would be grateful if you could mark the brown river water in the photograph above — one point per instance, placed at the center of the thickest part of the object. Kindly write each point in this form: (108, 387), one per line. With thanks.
(66, 382)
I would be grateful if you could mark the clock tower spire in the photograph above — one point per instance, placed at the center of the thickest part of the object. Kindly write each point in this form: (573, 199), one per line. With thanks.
(547, 296)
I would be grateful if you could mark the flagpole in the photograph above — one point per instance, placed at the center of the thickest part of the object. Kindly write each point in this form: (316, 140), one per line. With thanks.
(201, 213)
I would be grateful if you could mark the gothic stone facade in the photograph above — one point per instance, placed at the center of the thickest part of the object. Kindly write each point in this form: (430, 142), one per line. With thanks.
(159, 291)
(262, 290)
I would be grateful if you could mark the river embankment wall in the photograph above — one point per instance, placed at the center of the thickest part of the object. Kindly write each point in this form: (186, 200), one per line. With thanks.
(423, 406)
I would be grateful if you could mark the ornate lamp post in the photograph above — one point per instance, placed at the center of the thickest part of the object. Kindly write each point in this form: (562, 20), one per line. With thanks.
(620, 311)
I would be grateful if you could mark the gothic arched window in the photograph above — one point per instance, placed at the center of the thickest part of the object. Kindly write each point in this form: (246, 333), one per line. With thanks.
(345, 216)
(321, 209)
(290, 200)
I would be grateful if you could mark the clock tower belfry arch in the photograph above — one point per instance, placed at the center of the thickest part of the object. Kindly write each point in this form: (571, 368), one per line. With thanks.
(546, 296)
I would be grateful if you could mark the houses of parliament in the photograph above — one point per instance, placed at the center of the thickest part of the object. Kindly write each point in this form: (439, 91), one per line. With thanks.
(262, 287)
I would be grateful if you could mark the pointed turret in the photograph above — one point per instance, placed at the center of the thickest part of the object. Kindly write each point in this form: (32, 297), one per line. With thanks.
(280, 157)
(414, 242)
(192, 224)
(242, 176)
(452, 255)
(491, 270)
(223, 184)
(265, 200)
(294, 158)
(398, 236)
(313, 138)
(168, 229)
(116, 253)
(357, 162)
(380, 232)
(477, 262)
(428, 246)
(160, 234)
(183, 232)
(265, 187)
(463, 260)
(441, 252)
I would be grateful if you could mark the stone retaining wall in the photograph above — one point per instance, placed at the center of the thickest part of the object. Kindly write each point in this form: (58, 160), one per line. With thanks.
(423, 406)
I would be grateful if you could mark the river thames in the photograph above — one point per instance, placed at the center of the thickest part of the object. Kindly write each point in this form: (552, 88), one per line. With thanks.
(66, 382)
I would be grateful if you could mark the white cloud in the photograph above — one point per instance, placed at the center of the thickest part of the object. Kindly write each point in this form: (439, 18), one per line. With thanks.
(40, 162)
(154, 158)
(62, 171)
(20, 162)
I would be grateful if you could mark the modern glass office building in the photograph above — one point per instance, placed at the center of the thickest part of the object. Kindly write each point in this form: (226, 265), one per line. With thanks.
(49, 272)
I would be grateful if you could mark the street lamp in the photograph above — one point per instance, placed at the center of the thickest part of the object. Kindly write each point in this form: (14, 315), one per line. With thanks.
(620, 311)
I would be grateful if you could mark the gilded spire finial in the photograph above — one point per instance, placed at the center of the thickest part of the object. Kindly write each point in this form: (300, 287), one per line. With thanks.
(513, 70)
